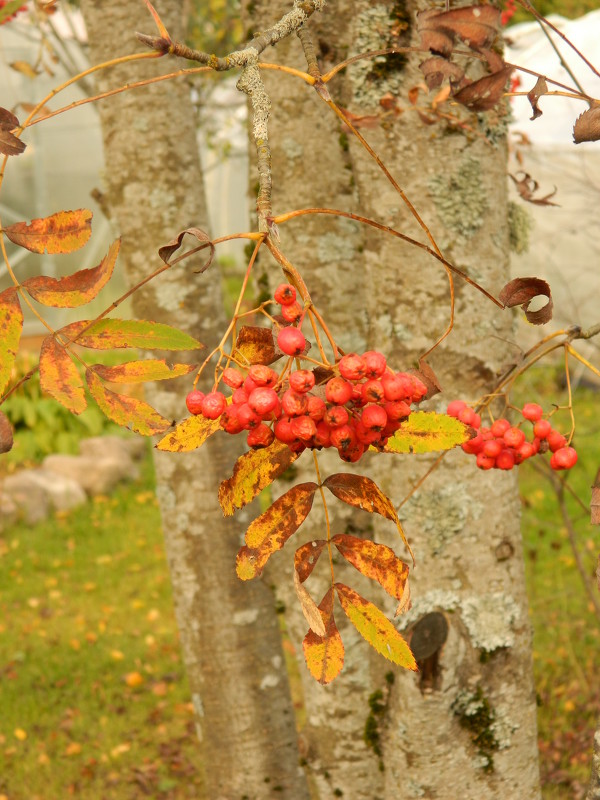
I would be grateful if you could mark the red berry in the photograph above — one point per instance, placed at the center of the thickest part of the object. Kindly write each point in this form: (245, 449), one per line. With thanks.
(343, 437)
(232, 377)
(375, 364)
(322, 436)
(338, 391)
(485, 462)
(372, 391)
(499, 427)
(506, 460)
(466, 415)
(493, 448)
(292, 312)
(474, 445)
(336, 416)
(374, 418)
(455, 407)
(261, 436)
(230, 421)
(194, 402)
(248, 417)
(240, 396)
(283, 430)
(213, 405)
(302, 380)
(316, 408)
(564, 458)
(397, 409)
(263, 376)
(514, 437)
(285, 294)
(526, 450)
(542, 428)
(364, 435)
(556, 440)
(303, 427)
(419, 389)
(352, 367)
(291, 341)
(293, 403)
(532, 411)
(397, 387)
(476, 421)
(352, 453)
(263, 400)
(249, 385)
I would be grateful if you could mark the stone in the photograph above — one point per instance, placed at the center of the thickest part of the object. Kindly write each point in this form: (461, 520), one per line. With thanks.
(63, 492)
(97, 475)
(29, 497)
(102, 446)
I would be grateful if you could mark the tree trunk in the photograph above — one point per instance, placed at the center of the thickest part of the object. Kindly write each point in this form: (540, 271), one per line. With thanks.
(229, 630)
(466, 724)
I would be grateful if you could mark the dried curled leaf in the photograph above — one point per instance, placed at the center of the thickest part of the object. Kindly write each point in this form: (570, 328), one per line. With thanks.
(309, 607)
(252, 472)
(436, 70)
(255, 345)
(128, 411)
(375, 561)
(483, 94)
(540, 88)
(306, 557)
(527, 186)
(324, 654)
(77, 289)
(62, 232)
(6, 434)
(587, 126)
(521, 291)
(11, 325)
(60, 378)
(167, 250)
(375, 627)
(188, 435)
(10, 145)
(476, 26)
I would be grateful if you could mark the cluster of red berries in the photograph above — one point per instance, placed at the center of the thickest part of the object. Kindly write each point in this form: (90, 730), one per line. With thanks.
(502, 446)
(360, 403)
(13, 15)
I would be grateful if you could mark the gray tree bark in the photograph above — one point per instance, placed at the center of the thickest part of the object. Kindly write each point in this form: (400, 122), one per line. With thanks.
(229, 631)
(465, 726)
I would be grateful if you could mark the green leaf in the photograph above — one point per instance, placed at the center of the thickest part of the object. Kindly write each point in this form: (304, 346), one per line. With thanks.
(427, 432)
(107, 334)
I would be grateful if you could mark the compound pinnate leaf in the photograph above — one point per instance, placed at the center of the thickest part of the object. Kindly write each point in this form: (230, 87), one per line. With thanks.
(11, 325)
(309, 608)
(60, 378)
(77, 289)
(252, 472)
(375, 627)
(189, 435)
(271, 530)
(140, 371)
(376, 561)
(324, 654)
(128, 411)
(306, 557)
(255, 345)
(427, 432)
(62, 232)
(106, 334)
(6, 434)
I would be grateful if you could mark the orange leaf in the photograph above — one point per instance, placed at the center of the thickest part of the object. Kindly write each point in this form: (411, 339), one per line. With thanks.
(60, 378)
(77, 289)
(375, 627)
(62, 232)
(269, 532)
(134, 679)
(307, 556)
(252, 473)
(376, 561)
(324, 654)
(106, 334)
(188, 435)
(140, 371)
(128, 411)
(11, 325)
(309, 607)
(255, 345)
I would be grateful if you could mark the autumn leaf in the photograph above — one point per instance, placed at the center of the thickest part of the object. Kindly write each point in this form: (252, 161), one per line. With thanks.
(375, 627)
(309, 607)
(189, 435)
(255, 345)
(483, 94)
(128, 411)
(427, 432)
(476, 26)
(527, 186)
(10, 144)
(436, 69)
(405, 603)
(77, 289)
(171, 247)
(375, 561)
(63, 232)
(252, 472)
(521, 291)
(140, 371)
(306, 557)
(587, 126)
(324, 655)
(106, 334)
(595, 502)
(60, 378)
(271, 530)
(6, 434)
(540, 88)
(11, 325)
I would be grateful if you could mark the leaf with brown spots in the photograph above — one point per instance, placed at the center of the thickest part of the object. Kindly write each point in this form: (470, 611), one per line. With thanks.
(521, 291)
(188, 435)
(6, 434)
(76, 289)
(10, 144)
(375, 627)
(271, 530)
(483, 94)
(427, 432)
(306, 557)
(527, 186)
(60, 378)
(476, 26)
(63, 232)
(106, 334)
(540, 88)
(587, 126)
(255, 345)
(324, 655)
(375, 561)
(167, 250)
(11, 325)
(128, 411)
(309, 607)
(141, 371)
(252, 472)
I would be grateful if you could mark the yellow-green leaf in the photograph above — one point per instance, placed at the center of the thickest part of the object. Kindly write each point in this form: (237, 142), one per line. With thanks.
(271, 530)
(376, 561)
(134, 414)
(427, 432)
(62, 232)
(375, 627)
(60, 378)
(76, 289)
(324, 654)
(107, 334)
(11, 325)
(252, 472)
(140, 371)
(189, 435)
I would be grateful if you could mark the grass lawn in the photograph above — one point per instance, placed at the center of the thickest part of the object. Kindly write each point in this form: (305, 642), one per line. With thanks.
(92, 689)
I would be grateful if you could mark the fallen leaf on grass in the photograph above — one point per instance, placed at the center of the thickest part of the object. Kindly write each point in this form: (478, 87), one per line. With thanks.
(134, 679)
(73, 749)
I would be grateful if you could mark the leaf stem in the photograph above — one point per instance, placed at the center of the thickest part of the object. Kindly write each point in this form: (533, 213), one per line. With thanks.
(327, 523)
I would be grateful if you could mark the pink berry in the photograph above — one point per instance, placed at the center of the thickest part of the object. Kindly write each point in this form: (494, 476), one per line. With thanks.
(455, 407)
(564, 458)
(194, 402)
(213, 405)
(291, 341)
(232, 378)
(285, 294)
(542, 428)
(466, 415)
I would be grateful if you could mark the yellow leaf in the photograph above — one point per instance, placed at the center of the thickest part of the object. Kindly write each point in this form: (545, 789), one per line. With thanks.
(324, 654)
(188, 435)
(427, 432)
(376, 561)
(134, 679)
(124, 410)
(20, 734)
(73, 749)
(120, 749)
(117, 655)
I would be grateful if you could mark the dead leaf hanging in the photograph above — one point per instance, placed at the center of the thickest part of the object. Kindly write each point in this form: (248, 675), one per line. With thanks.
(527, 186)
(540, 88)
(521, 291)
(587, 126)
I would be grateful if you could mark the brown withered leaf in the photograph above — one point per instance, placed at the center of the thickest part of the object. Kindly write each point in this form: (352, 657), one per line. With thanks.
(309, 608)
(527, 186)
(255, 345)
(6, 434)
(428, 377)
(324, 654)
(364, 121)
(521, 291)
(25, 68)
(598, 574)
(306, 557)
(476, 26)
(10, 144)
(483, 94)
(595, 503)
(435, 70)
(540, 88)
(166, 251)
(405, 603)
(8, 121)
(41, 112)
(587, 126)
